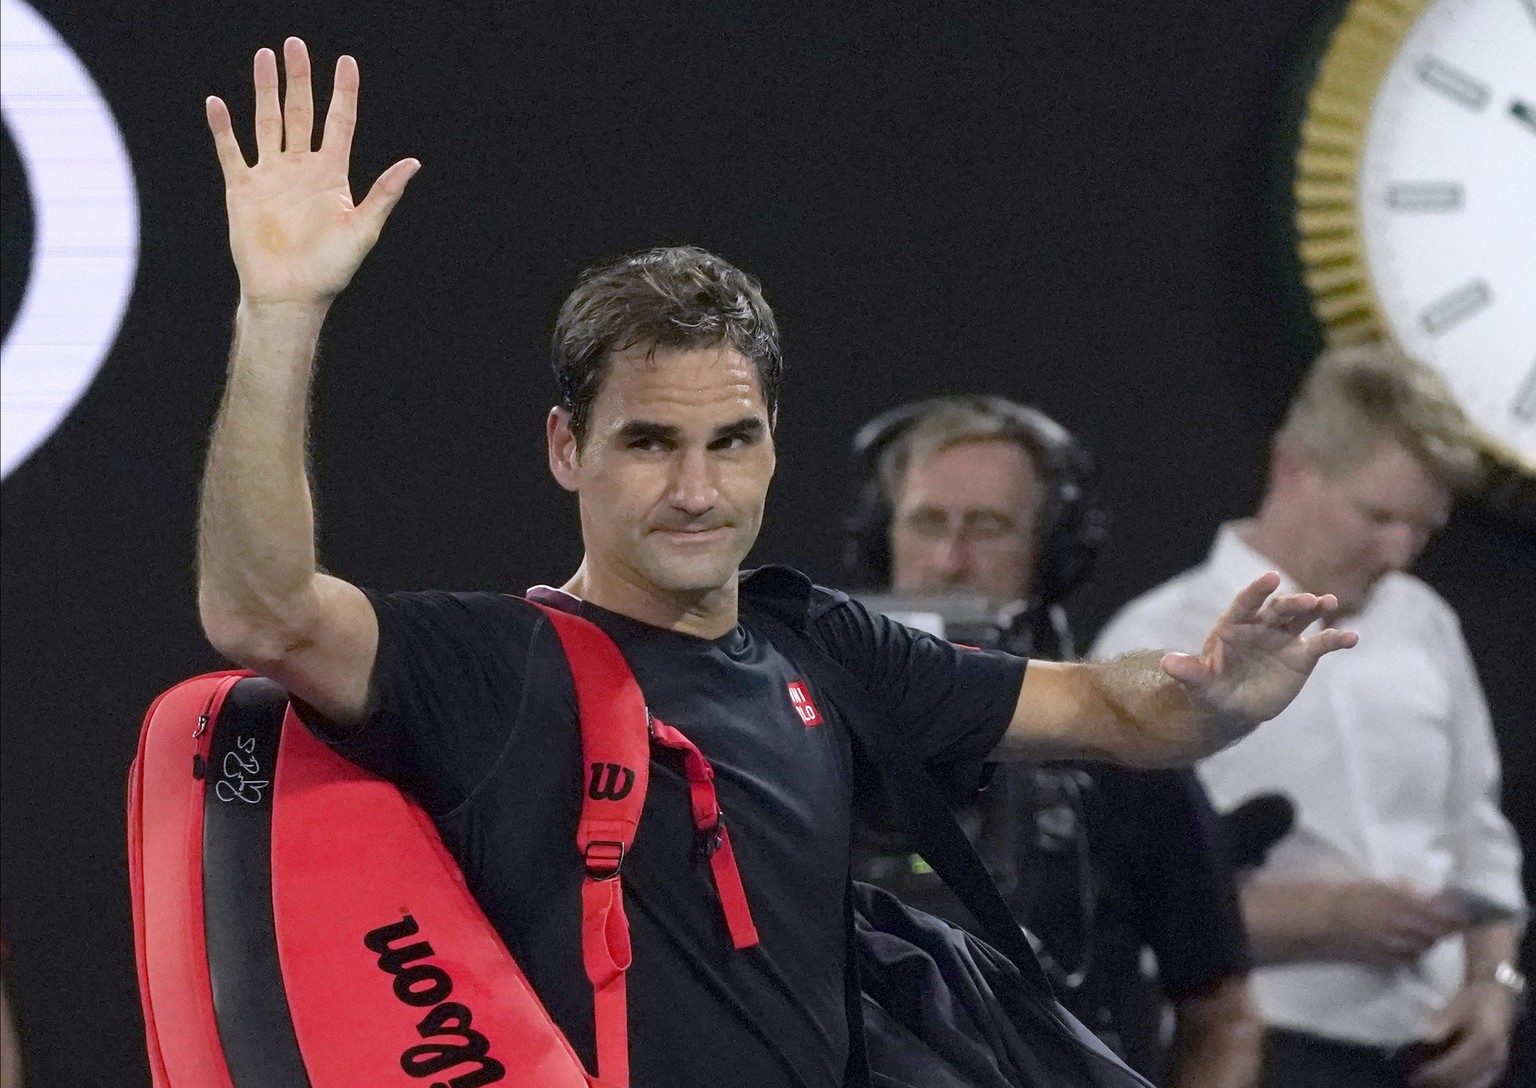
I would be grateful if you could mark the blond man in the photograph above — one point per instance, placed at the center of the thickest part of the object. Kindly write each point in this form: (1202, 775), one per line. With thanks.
(1387, 920)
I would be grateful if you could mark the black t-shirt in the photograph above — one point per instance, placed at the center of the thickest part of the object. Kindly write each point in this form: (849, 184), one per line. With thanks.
(472, 710)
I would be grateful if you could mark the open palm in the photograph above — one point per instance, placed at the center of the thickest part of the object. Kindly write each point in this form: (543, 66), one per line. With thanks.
(1257, 657)
(295, 233)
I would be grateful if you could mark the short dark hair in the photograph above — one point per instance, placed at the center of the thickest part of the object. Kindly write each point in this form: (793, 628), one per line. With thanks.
(672, 297)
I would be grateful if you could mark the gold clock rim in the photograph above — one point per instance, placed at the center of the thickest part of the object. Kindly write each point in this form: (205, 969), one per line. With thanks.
(1325, 189)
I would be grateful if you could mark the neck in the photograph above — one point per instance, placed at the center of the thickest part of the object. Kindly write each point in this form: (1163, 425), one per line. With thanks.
(708, 613)
(1271, 536)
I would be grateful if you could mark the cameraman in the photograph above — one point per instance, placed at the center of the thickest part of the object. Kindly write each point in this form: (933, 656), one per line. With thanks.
(982, 496)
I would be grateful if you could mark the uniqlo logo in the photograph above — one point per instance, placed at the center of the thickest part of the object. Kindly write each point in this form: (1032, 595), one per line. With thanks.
(803, 705)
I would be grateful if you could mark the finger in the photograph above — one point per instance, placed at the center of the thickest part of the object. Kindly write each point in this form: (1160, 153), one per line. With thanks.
(225, 145)
(299, 99)
(1245, 606)
(269, 122)
(1451, 907)
(387, 191)
(1412, 939)
(1188, 670)
(1329, 640)
(1406, 933)
(1292, 613)
(341, 116)
(1439, 916)
(1388, 949)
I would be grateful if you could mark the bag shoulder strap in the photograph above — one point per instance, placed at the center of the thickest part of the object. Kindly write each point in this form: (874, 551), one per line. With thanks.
(616, 764)
(615, 739)
(617, 729)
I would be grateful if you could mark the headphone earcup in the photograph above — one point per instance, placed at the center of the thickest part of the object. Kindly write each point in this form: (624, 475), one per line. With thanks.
(1076, 528)
(867, 538)
(867, 532)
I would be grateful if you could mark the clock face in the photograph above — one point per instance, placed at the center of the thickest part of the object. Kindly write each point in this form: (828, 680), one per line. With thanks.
(1447, 206)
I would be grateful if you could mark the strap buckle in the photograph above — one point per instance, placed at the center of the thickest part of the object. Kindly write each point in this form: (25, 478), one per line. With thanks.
(603, 859)
(710, 837)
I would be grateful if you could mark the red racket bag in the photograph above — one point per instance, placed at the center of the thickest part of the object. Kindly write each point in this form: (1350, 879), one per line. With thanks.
(298, 922)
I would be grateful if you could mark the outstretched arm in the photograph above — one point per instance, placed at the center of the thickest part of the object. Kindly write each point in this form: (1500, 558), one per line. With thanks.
(1152, 709)
(297, 239)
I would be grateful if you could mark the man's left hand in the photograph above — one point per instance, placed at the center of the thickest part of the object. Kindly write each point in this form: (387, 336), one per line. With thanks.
(1256, 658)
(1474, 1030)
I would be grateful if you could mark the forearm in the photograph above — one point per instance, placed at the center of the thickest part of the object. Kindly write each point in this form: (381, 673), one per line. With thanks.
(1127, 710)
(1217, 1039)
(1291, 921)
(1148, 719)
(256, 550)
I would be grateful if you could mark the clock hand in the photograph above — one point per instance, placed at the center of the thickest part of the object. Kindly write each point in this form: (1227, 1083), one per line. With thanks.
(1524, 113)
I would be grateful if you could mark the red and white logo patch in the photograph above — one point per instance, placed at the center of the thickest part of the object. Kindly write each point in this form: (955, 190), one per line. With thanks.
(803, 705)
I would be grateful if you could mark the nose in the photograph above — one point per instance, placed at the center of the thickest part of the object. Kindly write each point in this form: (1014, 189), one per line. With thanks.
(693, 488)
(949, 556)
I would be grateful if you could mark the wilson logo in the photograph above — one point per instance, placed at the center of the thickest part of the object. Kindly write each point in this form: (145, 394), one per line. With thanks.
(610, 782)
(803, 705)
(451, 1041)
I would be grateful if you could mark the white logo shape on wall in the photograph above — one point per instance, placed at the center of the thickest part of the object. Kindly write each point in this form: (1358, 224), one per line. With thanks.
(85, 240)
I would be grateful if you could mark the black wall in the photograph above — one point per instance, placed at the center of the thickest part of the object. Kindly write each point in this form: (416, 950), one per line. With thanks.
(1060, 202)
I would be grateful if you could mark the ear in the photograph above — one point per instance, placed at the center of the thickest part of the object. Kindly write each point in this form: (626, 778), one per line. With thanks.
(1287, 464)
(564, 458)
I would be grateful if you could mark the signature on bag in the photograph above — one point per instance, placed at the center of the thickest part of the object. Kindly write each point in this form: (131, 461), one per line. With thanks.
(239, 781)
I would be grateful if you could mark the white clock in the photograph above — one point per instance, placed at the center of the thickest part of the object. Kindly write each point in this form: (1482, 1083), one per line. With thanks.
(1416, 197)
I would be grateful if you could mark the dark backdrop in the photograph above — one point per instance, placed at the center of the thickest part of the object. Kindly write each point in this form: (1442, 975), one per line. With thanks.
(1063, 203)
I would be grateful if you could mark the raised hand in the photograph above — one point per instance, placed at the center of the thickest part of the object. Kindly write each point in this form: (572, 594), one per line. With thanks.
(1256, 658)
(296, 235)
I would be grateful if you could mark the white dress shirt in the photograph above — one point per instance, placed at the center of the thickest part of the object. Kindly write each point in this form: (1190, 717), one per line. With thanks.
(1389, 756)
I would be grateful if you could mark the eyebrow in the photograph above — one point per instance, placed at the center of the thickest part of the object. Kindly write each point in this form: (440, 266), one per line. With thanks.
(746, 427)
(969, 514)
(637, 429)
(642, 430)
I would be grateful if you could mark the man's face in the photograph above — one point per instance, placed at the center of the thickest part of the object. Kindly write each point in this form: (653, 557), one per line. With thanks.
(964, 521)
(1362, 523)
(674, 470)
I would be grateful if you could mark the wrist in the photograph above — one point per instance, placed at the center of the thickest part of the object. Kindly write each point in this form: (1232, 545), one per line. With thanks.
(1501, 989)
(310, 313)
(1228, 726)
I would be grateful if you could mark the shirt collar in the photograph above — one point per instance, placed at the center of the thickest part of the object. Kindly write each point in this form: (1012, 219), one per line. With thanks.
(1236, 563)
(619, 626)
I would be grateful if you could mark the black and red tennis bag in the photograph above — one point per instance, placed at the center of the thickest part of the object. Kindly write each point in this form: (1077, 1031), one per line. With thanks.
(298, 922)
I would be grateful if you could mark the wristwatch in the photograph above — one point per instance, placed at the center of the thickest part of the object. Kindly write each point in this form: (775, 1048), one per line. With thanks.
(1507, 977)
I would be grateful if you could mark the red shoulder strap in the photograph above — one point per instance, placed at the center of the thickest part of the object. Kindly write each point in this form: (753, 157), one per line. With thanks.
(615, 739)
(616, 760)
(616, 732)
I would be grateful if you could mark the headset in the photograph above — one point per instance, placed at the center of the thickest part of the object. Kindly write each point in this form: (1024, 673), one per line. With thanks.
(1072, 527)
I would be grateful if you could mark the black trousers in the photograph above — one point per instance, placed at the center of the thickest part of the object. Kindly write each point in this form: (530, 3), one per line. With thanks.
(1294, 1059)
